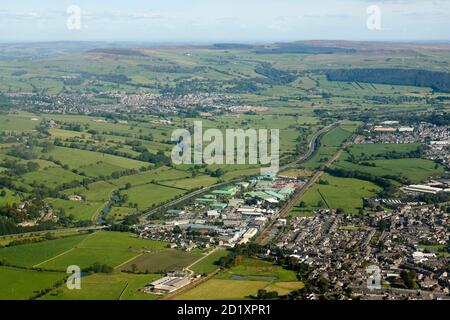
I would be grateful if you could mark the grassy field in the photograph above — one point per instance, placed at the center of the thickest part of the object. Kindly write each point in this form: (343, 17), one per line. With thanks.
(110, 248)
(148, 195)
(192, 183)
(94, 162)
(97, 191)
(51, 177)
(380, 149)
(162, 261)
(329, 144)
(342, 193)
(20, 284)
(219, 289)
(160, 174)
(244, 280)
(284, 288)
(412, 168)
(118, 286)
(10, 197)
(255, 269)
(32, 254)
(81, 210)
(118, 213)
(209, 264)
(17, 123)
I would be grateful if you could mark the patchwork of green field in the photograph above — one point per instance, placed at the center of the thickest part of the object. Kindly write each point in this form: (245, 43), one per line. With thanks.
(33, 254)
(81, 210)
(285, 123)
(18, 123)
(117, 286)
(105, 127)
(95, 162)
(168, 260)
(342, 193)
(308, 102)
(414, 169)
(110, 248)
(43, 164)
(148, 195)
(209, 264)
(21, 284)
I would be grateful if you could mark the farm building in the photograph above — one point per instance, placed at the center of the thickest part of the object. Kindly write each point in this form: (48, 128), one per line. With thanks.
(417, 189)
(168, 284)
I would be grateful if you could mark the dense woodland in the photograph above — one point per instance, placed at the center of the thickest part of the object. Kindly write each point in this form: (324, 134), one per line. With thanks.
(438, 81)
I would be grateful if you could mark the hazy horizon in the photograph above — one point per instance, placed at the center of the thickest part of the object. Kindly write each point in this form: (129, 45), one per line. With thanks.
(211, 21)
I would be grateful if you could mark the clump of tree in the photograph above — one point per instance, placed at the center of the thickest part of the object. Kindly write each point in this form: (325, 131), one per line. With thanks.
(16, 168)
(266, 295)
(98, 267)
(23, 153)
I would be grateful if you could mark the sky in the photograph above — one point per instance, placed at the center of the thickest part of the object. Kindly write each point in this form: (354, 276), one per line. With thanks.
(208, 21)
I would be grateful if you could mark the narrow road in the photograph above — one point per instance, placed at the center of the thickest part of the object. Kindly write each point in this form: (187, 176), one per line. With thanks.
(188, 268)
